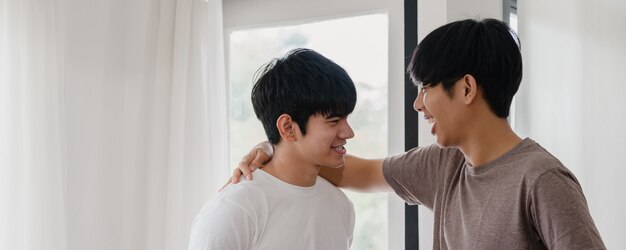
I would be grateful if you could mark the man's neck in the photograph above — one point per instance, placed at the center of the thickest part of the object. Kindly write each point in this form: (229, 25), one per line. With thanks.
(290, 169)
(489, 141)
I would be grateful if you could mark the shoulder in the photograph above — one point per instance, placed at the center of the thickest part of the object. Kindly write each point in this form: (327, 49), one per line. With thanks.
(428, 154)
(232, 219)
(245, 194)
(536, 161)
(328, 188)
(429, 162)
(534, 166)
(245, 199)
(336, 194)
(435, 150)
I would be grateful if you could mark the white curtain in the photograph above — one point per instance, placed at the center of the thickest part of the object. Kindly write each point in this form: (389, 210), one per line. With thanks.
(128, 126)
(32, 142)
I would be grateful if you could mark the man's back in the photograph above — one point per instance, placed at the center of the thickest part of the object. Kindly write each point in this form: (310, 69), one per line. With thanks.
(268, 213)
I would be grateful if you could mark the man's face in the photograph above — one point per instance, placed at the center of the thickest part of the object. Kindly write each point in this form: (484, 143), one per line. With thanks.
(441, 112)
(323, 144)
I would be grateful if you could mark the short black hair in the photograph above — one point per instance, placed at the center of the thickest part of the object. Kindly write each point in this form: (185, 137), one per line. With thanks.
(301, 83)
(486, 49)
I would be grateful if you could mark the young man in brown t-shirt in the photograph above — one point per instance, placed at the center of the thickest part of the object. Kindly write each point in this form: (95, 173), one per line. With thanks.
(488, 188)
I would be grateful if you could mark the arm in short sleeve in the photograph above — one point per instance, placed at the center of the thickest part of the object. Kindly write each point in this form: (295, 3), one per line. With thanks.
(414, 175)
(222, 224)
(560, 214)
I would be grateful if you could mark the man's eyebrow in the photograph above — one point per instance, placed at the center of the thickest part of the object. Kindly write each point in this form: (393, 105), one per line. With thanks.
(335, 116)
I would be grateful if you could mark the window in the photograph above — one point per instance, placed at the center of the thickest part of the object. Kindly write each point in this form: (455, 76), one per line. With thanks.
(273, 15)
(358, 44)
(510, 16)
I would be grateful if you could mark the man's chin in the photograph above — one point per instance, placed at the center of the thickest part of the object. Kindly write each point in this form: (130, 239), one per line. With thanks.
(338, 166)
(335, 165)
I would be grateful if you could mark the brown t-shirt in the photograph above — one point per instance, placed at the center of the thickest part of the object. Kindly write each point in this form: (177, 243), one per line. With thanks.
(525, 199)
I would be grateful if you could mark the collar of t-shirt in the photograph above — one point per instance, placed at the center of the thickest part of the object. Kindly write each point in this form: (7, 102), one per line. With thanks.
(505, 158)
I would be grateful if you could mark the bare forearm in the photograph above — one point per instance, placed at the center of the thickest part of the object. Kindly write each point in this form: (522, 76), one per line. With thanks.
(357, 174)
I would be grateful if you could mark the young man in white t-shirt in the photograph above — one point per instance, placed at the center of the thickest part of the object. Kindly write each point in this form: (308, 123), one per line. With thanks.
(303, 100)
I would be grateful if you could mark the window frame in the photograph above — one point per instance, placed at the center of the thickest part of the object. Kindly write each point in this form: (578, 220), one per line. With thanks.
(411, 135)
(246, 14)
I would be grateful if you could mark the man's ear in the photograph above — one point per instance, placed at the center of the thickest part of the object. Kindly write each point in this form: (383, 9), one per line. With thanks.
(470, 89)
(286, 127)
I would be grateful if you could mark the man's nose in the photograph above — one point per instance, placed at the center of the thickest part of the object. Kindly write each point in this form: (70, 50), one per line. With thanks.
(347, 132)
(418, 104)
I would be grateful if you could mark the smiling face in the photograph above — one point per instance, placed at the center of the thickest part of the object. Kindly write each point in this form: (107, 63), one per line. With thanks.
(443, 111)
(323, 144)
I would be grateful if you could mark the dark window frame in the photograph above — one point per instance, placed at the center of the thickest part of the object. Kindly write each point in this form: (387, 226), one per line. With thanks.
(411, 218)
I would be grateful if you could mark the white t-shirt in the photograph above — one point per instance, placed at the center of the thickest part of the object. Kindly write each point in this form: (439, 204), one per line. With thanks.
(267, 213)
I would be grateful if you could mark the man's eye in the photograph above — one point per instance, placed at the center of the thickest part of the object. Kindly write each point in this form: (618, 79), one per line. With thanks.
(333, 120)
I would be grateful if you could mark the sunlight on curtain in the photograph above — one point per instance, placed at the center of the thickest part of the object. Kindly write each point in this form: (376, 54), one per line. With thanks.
(32, 145)
(143, 88)
(218, 125)
(113, 122)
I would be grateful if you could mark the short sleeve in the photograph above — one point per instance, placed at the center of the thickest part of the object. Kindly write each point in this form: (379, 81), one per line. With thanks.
(415, 175)
(560, 214)
(222, 224)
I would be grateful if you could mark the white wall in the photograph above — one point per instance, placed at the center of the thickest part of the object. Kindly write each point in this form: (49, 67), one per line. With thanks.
(572, 97)
(463, 9)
